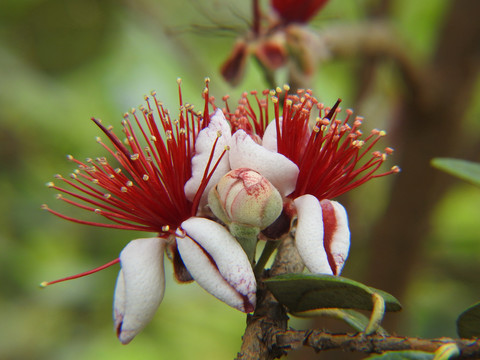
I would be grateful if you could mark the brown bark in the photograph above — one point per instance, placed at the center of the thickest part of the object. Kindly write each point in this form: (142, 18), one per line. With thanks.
(269, 317)
(322, 341)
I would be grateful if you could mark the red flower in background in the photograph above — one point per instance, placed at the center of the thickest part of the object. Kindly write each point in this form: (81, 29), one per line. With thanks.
(300, 11)
(275, 40)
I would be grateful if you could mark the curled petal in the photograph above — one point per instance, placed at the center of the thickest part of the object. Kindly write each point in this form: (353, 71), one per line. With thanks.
(336, 233)
(279, 170)
(140, 286)
(218, 263)
(218, 128)
(309, 235)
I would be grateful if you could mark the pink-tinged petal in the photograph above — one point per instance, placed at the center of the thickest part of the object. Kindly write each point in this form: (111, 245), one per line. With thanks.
(218, 128)
(279, 170)
(218, 263)
(140, 286)
(269, 140)
(337, 234)
(309, 235)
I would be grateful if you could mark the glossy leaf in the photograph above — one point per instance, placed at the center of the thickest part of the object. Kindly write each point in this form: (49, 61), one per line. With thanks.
(353, 318)
(403, 355)
(303, 292)
(468, 323)
(463, 169)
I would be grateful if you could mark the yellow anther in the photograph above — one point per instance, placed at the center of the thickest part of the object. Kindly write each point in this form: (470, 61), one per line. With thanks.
(289, 102)
(396, 169)
(207, 80)
(50, 184)
(179, 81)
(226, 147)
(278, 89)
(69, 157)
(132, 111)
(58, 176)
(153, 138)
(129, 183)
(382, 133)
(123, 189)
(134, 157)
(272, 92)
(165, 228)
(145, 177)
(43, 284)
(95, 181)
(98, 139)
(107, 196)
(153, 93)
(286, 87)
(58, 196)
(44, 207)
(97, 211)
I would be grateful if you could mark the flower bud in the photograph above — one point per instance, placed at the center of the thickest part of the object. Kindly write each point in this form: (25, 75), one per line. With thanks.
(245, 197)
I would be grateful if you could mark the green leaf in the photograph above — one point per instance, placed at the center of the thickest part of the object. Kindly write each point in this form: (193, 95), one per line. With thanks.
(303, 292)
(403, 355)
(463, 169)
(468, 323)
(356, 320)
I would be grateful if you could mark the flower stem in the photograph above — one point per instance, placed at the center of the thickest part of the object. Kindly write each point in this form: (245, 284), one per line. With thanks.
(268, 250)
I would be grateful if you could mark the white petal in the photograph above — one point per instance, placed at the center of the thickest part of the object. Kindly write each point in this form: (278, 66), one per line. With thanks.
(340, 233)
(140, 286)
(309, 235)
(203, 149)
(279, 170)
(269, 140)
(232, 279)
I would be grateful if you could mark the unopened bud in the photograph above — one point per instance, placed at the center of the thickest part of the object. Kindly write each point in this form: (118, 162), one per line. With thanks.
(245, 197)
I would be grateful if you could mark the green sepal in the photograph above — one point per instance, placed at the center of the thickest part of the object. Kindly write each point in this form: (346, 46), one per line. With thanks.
(303, 292)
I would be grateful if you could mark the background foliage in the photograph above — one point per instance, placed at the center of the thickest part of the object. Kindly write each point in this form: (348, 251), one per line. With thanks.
(62, 62)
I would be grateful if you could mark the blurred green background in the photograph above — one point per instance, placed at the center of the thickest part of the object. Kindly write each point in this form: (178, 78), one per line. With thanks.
(64, 61)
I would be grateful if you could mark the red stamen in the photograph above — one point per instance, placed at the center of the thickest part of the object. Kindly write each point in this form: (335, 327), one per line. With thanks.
(146, 191)
(329, 156)
(47, 283)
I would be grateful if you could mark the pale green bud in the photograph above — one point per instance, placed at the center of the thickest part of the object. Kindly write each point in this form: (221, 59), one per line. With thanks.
(245, 197)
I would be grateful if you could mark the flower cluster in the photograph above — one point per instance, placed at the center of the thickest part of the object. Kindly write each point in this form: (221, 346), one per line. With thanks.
(207, 181)
(275, 38)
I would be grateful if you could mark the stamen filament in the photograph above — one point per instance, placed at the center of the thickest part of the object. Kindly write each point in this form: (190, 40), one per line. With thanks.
(48, 283)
